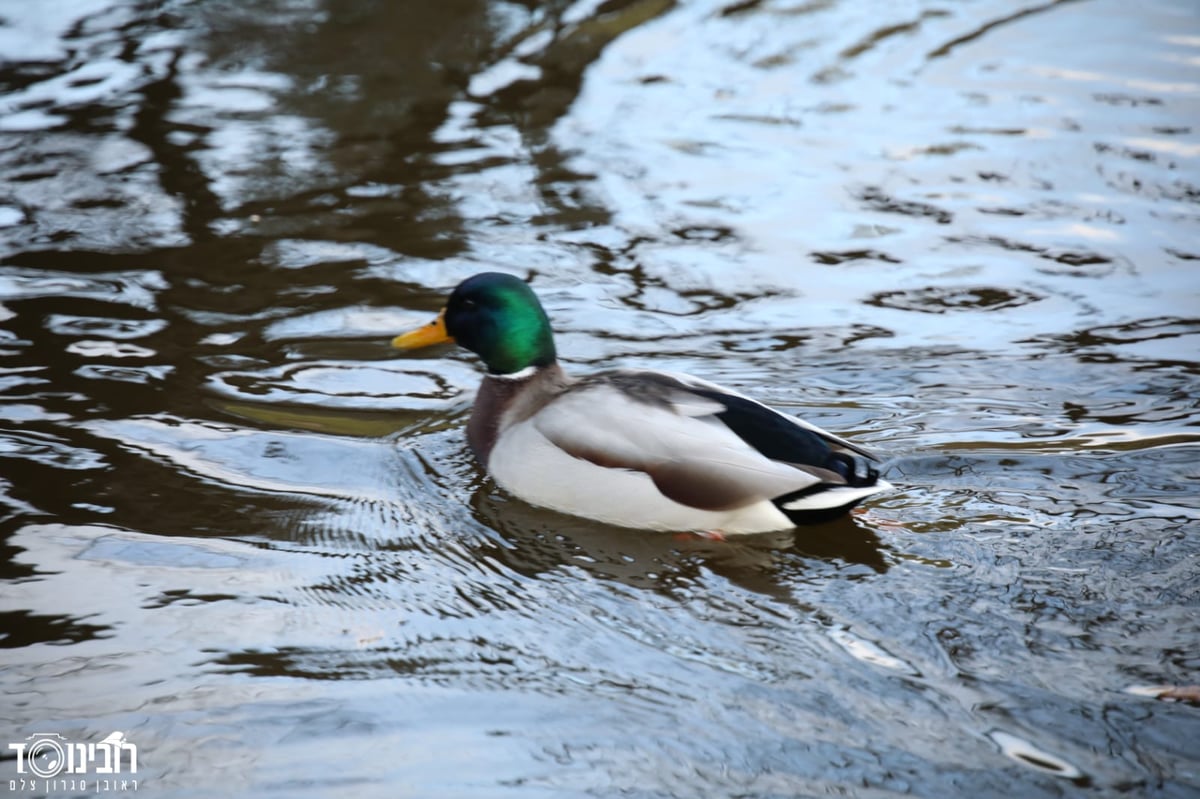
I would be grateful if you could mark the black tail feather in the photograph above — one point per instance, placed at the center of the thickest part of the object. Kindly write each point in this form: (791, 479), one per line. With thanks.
(857, 472)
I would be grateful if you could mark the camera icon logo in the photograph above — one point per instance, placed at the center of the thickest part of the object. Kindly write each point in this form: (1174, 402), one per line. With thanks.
(46, 754)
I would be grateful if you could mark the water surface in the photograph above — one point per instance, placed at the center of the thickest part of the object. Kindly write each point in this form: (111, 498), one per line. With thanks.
(242, 530)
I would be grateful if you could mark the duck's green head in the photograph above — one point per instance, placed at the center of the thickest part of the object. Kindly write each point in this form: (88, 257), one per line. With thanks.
(496, 316)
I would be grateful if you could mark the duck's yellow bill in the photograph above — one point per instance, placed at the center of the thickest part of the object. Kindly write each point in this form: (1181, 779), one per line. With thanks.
(424, 336)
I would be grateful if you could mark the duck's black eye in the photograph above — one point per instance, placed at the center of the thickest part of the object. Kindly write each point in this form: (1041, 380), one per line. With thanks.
(470, 304)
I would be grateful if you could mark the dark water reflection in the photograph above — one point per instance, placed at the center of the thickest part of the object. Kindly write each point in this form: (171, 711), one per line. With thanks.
(237, 527)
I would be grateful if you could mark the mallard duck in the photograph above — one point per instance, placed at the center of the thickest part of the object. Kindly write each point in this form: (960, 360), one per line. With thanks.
(635, 448)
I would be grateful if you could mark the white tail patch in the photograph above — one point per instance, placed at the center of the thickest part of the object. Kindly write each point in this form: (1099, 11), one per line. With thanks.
(836, 497)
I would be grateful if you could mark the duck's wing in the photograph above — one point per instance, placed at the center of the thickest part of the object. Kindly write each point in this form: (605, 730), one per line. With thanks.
(781, 437)
(703, 446)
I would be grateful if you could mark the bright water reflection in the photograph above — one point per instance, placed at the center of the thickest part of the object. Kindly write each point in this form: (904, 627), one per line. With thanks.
(239, 528)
